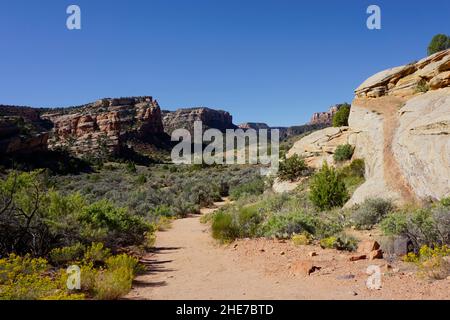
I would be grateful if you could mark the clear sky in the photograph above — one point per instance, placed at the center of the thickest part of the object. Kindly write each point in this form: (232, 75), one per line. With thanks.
(274, 61)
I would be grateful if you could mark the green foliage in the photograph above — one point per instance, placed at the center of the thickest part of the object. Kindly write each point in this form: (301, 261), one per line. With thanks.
(253, 187)
(422, 86)
(340, 118)
(293, 168)
(446, 202)
(103, 221)
(439, 42)
(425, 226)
(301, 239)
(223, 227)
(343, 152)
(371, 212)
(340, 242)
(356, 168)
(327, 189)
(25, 278)
(432, 261)
(113, 284)
(63, 256)
(96, 254)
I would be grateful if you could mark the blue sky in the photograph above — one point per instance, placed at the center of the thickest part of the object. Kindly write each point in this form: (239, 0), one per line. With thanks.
(274, 61)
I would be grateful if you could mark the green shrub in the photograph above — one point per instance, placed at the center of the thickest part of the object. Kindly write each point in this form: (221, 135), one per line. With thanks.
(103, 221)
(446, 202)
(253, 187)
(123, 261)
(433, 262)
(223, 227)
(14, 266)
(425, 226)
(97, 254)
(356, 168)
(113, 284)
(340, 242)
(292, 168)
(327, 190)
(371, 212)
(422, 86)
(284, 225)
(340, 118)
(343, 152)
(301, 239)
(66, 255)
(439, 42)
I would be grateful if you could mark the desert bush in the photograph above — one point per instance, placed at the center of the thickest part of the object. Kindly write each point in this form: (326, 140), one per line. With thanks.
(302, 239)
(123, 261)
(96, 254)
(340, 118)
(433, 262)
(103, 221)
(422, 86)
(340, 242)
(371, 212)
(14, 266)
(293, 168)
(65, 255)
(446, 202)
(425, 226)
(356, 168)
(343, 152)
(327, 189)
(438, 43)
(223, 227)
(284, 225)
(253, 187)
(113, 284)
(26, 278)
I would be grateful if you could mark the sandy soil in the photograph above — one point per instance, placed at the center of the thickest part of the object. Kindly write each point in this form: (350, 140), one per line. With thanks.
(188, 264)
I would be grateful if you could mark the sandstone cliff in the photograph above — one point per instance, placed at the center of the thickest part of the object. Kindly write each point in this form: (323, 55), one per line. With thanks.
(105, 125)
(185, 118)
(400, 125)
(22, 131)
(325, 118)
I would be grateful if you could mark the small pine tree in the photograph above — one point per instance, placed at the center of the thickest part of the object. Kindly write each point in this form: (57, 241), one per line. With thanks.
(292, 168)
(340, 118)
(438, 43)
(327, 189)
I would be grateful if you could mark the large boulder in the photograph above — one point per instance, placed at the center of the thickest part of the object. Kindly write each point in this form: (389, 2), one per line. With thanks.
(400, 125)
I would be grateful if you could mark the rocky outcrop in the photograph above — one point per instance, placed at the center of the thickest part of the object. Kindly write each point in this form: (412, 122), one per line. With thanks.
(105, 125)
(325, 118)
(185, 118)
(320, 145)
(400, 125)
(254, 125)
(22, 131)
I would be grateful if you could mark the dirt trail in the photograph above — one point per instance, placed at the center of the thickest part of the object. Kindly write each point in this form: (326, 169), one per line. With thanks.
(388, 107)
(187, 264)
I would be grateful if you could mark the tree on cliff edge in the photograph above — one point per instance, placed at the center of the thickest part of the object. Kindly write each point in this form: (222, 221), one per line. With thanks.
(438, 43)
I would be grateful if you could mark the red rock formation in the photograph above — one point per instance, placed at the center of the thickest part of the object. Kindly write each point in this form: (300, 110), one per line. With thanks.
(324, 118)
(105, 123)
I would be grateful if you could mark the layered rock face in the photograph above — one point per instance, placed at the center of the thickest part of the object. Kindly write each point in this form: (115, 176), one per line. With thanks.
(22, 131)
(185, 118)
(325, 118)
(105, 125)
(400, 125)
(254, 125)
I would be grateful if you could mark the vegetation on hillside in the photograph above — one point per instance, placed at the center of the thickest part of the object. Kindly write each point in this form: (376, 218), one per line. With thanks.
(340, 118)
(439, 42)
